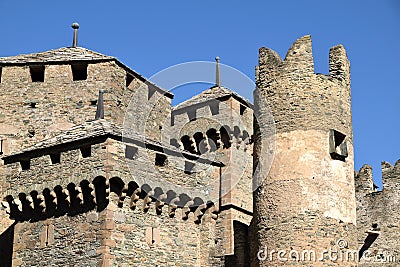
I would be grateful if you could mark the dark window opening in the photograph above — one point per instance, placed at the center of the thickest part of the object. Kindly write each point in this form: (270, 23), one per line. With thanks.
(160, 159)
(174, 142)
(86, 151)
(131, 152)
(225, 138)
(151, 91)
(337, 145)
(242, 109)
(189, 167)
(200, 144)
(32, 104)
(191, 114)
(79, 72)
(55, 158)
(93, 102)
(25, 164)
(213, 139)
(214, 107)
(1, 72)
(188, 144)
(37, 73)
(128, 79)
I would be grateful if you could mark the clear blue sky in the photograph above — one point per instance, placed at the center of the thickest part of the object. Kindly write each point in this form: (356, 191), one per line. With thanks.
(149, 36)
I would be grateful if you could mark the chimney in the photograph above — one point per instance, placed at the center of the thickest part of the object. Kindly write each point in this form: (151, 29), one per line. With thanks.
(100, 106)
(217, 74)
(75, 26)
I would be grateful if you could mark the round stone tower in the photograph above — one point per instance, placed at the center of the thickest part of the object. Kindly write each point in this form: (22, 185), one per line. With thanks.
(304, 203)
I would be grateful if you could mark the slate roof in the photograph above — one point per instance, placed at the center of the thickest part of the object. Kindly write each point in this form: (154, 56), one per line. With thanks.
(57, 55)
(72, 54)
(212, 93)
(99, 128)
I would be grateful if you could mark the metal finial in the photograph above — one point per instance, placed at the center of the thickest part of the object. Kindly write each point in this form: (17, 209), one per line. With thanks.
(75, 26)
(100, 106)
(217, 74)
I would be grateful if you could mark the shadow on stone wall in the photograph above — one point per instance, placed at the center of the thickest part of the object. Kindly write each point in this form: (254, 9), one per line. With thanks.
(6, 247)
(241, 257)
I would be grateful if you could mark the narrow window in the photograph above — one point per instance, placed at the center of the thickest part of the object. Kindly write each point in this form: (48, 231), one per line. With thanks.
(37, 73)
(47, 235)
(79, 71)
(160, 159)
(1, 72)
(1, 146)
(152, 236)
(242, 109)
(129, 79)
(337, 145)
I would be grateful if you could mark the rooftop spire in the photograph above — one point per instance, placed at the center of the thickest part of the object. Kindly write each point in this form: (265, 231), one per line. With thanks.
(100, 106)
(75, 26)
(217, 74)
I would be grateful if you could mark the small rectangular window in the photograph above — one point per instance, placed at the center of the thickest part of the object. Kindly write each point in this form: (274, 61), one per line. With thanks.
(214, 107)
(129, 79)
(55, 158)
(337, 145)
(131, 152)
(86, 151)
(1, 72)
(79, 71)
(37, 73)
(242, 109)
(160, 159)
(189, 167)
(25, 164)
(191, 114)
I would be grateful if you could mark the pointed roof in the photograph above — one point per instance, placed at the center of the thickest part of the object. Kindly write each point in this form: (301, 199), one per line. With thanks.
(72, 54)
(62, 54)
(213, 93)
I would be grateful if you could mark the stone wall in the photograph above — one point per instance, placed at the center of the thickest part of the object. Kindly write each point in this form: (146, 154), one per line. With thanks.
(306, 200)
(377, 216)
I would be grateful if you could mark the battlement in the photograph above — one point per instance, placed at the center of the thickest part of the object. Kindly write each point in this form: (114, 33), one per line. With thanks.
(299, 59)
(300, 98)
(364, 183)
(390, 178)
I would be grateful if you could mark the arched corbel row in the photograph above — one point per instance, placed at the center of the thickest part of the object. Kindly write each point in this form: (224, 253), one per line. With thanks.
(84, 196)
(214, 139)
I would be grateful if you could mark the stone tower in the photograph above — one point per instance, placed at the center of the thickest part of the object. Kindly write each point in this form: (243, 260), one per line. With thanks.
(304, 207)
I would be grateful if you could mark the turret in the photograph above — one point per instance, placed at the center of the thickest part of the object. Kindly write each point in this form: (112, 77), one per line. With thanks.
(304, 199)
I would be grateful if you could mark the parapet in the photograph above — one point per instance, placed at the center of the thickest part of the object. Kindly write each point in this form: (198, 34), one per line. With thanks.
(390, 176)
(364, 183)
(299, 59)
(298, 97)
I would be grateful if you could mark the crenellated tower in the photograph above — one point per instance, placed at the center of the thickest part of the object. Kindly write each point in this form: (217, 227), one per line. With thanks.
(305, 202)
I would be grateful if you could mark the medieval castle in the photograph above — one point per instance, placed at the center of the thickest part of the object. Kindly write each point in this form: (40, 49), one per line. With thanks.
(98, 169)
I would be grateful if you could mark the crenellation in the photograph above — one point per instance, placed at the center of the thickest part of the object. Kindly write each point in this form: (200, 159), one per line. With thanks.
(339, 65)
(152, 184)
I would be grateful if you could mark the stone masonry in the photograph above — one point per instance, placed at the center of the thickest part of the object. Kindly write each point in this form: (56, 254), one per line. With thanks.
(148, 184)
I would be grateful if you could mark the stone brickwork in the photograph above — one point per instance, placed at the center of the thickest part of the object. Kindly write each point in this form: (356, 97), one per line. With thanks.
(377, 216)
(155, 185)
(306, 201)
